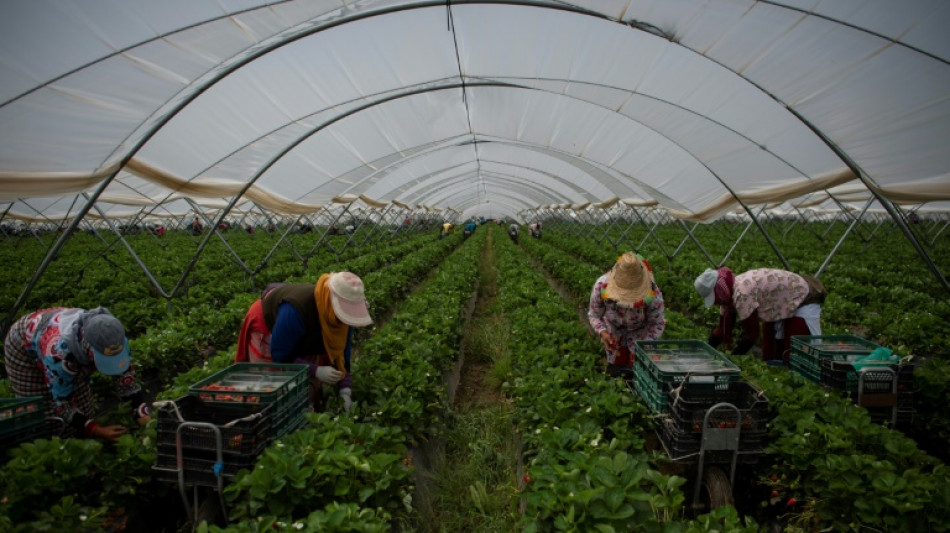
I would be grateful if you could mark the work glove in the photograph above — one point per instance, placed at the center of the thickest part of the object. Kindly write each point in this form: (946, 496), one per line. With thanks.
(714, 340)
(346, 395)
(329, 375)
(743, 347)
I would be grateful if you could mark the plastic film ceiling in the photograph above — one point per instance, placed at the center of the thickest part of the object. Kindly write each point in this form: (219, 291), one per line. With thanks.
(487, 108)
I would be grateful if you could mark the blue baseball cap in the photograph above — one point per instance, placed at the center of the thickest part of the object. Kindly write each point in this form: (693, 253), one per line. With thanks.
(105, 336)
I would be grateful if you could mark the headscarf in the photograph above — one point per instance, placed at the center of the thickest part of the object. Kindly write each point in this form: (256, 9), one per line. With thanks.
(334, 332)
(724, 283)
(727, 310)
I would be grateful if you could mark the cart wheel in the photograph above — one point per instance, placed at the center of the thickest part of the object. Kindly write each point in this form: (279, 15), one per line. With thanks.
(717, 491)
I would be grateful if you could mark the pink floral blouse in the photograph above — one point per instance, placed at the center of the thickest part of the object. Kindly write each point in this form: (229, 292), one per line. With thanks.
(625, 324)
(776, 294)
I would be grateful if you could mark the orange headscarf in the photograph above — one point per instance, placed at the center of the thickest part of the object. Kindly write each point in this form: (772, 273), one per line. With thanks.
(334, 332)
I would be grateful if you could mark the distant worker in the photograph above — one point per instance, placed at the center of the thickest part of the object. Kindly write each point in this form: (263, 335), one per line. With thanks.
(535, 229)
(447, 229)
(513, 233)
(780, 303)
(469, 228)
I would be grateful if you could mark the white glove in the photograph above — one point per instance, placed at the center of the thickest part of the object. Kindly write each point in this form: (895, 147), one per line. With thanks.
(347, 400)
(328, 374)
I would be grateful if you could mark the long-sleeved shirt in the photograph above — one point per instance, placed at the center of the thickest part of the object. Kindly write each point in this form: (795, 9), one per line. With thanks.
(289, 329)
(626, 324)
(47, 340)
(762, 294)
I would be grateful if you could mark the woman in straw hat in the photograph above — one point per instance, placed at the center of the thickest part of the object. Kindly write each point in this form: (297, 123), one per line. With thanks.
(778, 302)
(310, 324)
(626, 306)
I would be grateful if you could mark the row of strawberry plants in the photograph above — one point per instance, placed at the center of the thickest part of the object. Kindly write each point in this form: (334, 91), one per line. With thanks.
(827, 452)
(385, 285)
(87, 274)
(400, 401)
(585, 464)
(931, 425)
(176, 342)
(137, 454)
(843, 472)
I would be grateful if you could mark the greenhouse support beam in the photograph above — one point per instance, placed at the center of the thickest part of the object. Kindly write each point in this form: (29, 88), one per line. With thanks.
(615, 222)
(848, 213)
(326, 232)
(941, 230)
(214, 229)
(736, 243)
(834, 250)
(857, 171)
(690, 235)
(53, 252)
(378, 230)
(148, 273)
(651, 231)
(277, 244)
(4, 215)
(201, 246)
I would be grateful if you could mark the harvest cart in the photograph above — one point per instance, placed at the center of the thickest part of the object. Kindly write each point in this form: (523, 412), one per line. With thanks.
(884, 389)
(707, 418)
(224, 423)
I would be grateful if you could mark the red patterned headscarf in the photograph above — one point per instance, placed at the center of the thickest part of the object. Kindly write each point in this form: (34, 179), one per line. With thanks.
(723, 290)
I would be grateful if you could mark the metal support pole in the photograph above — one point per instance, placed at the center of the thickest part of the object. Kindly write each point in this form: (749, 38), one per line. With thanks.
(834, 250)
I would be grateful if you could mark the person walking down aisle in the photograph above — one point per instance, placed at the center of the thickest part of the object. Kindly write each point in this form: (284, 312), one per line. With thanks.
(307, 323)
(626, 306)
(52, 352)
(780, 303)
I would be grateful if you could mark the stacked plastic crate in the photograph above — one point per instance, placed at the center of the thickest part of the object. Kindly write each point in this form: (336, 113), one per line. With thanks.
(680, 380)
(884, 388)
(227, 420)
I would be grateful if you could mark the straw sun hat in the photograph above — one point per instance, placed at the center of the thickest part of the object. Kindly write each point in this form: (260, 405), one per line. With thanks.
(630, 281)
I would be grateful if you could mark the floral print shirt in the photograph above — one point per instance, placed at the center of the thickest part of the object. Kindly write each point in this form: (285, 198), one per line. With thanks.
(625, 324)
(775, 294)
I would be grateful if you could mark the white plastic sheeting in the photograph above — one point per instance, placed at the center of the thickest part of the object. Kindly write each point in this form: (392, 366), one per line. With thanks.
(692, 105)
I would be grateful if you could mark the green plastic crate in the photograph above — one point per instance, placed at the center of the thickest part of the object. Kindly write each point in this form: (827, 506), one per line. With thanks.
(671, 361)
(657, 401)
(17, 414)
(814, 348)
(805, 367)
(808, 352)
(251, 384)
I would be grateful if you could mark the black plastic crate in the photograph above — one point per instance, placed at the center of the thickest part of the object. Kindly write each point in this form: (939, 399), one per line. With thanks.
(688, 407)
(200, 471)
(243, 433)
(251, 386)
(254, 383)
